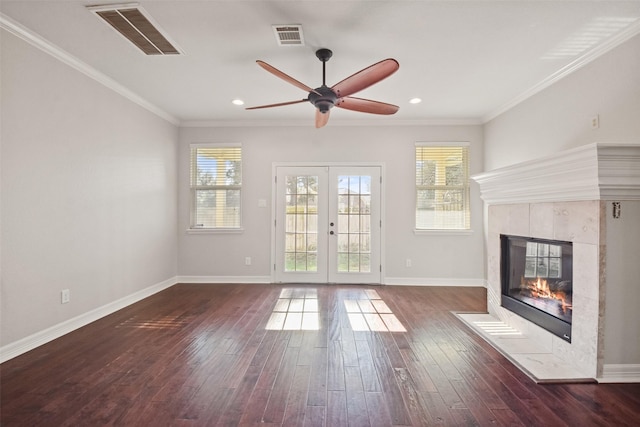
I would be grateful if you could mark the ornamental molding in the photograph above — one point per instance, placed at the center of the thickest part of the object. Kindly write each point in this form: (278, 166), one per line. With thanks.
(597, 171)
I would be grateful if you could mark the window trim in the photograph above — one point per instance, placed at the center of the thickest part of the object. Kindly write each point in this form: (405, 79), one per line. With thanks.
(192, 229)
(466, 187)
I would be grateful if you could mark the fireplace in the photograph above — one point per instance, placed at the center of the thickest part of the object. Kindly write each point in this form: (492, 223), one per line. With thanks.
(537, 281)
(589, 196)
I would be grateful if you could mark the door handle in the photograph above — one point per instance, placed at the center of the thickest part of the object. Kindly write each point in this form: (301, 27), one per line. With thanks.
(331, 232)
(331, 224)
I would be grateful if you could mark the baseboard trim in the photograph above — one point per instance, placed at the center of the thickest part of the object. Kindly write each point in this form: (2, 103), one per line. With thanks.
(426, 281)
(223, 279)
(399, 281)
(627, 373)
(26, 344)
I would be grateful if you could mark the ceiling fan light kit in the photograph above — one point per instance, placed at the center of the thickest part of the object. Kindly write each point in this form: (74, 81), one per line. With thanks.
(339, 95)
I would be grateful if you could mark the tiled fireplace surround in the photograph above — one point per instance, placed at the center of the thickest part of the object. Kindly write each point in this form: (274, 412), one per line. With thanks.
(569, 196)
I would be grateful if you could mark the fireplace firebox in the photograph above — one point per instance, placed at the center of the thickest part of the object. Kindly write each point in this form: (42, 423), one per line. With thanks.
(537, 281)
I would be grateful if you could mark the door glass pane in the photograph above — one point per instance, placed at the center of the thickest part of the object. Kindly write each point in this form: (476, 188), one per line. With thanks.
(365, 224)
(312, 243)
(365, 204)
(301, 223)
(354, 223)
(343, 224)
(343, 242)
(365, 261)
(290, 243)
(343, 203)
(365, 244)
(301, 242)
(365, 185)
(343, 261)
(312, 262)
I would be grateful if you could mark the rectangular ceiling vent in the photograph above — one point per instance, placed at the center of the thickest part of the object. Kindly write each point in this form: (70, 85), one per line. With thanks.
(289, 35)
(132, 22)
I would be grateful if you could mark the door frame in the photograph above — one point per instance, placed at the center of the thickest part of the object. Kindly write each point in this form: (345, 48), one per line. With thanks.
(274, 169)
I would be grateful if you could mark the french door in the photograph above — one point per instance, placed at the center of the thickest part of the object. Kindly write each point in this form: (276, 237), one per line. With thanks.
(327, 225)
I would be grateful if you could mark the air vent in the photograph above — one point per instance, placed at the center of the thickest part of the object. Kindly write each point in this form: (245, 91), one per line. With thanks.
(132, 22)
(289, 35)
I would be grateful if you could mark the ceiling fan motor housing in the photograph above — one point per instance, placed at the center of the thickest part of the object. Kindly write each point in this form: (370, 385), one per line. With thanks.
(324, 99)
(324, 54)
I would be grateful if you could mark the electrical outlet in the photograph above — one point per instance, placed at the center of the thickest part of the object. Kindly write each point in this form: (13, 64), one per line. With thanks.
(595, 122)
(65, 296)
(247, 260)
(407, 263)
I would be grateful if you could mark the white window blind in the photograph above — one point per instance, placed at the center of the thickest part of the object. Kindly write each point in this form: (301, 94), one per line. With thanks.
(216, 186)
(442, 187)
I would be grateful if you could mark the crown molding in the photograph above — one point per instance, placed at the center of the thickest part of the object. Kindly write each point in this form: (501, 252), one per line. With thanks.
(597, 171)
(333, 123)
(65, 57)
(602, 48)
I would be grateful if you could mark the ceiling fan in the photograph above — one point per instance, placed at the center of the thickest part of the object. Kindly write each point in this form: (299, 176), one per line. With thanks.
(339, 95)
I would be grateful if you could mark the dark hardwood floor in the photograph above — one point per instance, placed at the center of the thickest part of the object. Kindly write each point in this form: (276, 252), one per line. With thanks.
(205, 355)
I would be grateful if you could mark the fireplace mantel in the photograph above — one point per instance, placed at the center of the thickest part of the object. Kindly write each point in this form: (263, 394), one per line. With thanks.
(597, 171)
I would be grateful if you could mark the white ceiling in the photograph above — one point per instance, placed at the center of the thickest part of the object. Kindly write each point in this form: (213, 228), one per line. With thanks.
(467, 60)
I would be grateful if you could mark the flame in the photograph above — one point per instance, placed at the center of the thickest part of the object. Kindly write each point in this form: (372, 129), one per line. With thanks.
(539, 288)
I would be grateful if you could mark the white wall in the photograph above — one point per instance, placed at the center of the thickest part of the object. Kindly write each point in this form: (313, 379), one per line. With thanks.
(559, 118)
(622, 291)
(435, 259)
(88, 193)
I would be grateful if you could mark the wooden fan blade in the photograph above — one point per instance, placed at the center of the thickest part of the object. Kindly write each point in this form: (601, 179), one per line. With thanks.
(285, 77)
(321, 118)
(277, 105)
(366, 105)
(365, 78)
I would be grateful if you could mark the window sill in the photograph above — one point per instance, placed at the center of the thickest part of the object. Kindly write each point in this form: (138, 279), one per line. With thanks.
(435, 232)
(215, 230)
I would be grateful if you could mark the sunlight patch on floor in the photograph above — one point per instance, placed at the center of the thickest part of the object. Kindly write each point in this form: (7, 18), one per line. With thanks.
(163, 322)
(295, 310)
(497, 328)
(371, 313)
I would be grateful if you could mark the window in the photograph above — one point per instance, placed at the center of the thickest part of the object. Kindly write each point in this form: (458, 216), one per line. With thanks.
(442, 186)
(216, 185)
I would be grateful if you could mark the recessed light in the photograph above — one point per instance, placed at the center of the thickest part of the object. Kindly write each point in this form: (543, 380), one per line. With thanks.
(415, 101)
(237, 102)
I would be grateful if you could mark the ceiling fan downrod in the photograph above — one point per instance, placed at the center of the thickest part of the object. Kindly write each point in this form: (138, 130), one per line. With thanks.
(323, 98)
(324, 55)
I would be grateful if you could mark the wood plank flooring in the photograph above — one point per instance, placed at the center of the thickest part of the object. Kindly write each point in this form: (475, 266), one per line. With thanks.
(207, 355)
